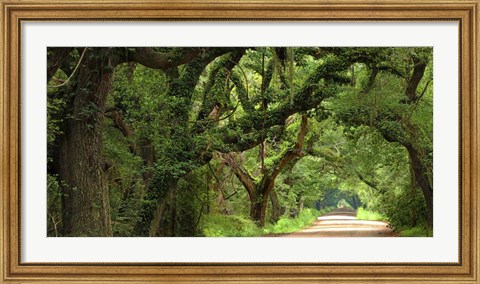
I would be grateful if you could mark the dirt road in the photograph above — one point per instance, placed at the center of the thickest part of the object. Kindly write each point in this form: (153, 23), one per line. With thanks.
(343, 223)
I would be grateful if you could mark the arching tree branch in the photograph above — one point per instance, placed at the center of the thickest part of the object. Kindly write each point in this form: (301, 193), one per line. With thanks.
(148, 57)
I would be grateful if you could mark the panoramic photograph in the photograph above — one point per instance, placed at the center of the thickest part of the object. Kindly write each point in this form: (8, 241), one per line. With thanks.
(240, 142)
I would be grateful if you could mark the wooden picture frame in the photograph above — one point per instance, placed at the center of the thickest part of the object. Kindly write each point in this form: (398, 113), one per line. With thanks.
(14, 12)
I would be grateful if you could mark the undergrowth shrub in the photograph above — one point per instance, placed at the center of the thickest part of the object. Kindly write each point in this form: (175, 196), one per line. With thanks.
(217, 225)
(288, 225)
(418, 231)
(363, 214)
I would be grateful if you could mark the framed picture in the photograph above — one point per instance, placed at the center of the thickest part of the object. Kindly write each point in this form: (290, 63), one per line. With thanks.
(254, 141)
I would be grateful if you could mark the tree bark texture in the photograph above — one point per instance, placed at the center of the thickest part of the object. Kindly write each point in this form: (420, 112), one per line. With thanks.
(86, 209)
(420, 172)
(156, 229)
(258, 207)
(276, 210)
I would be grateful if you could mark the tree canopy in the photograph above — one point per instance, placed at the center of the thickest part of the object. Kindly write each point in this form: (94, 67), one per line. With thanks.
(160, 141)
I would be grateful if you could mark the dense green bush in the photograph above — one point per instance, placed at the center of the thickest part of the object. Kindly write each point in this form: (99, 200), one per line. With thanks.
(416, 232)
(54, 213)
(405, 210)
(217, 225)
(288, 225)
(363, 214)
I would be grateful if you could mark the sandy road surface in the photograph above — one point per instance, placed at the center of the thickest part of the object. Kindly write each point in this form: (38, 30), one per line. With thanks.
(343, 223)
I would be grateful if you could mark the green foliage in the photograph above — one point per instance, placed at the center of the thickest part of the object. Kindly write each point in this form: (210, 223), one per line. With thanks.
(363, 214)
(180, 118)
(192, 200)
(289, 225)
(404, 209)
(379, 173)
(54, 210)
(418, 231)
(125, 183)
(217, 225)
(55, 108)
(344, 204)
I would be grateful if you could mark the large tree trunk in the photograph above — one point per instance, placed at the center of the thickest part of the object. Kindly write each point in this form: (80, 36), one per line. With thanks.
(170, 232)
(259, 191)
(86, 209)
(259, 201)
(302, 204)
(220, 200)
(156, 228)
(258, 209)
(275, 206)
(422, 180)
(422, 173)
